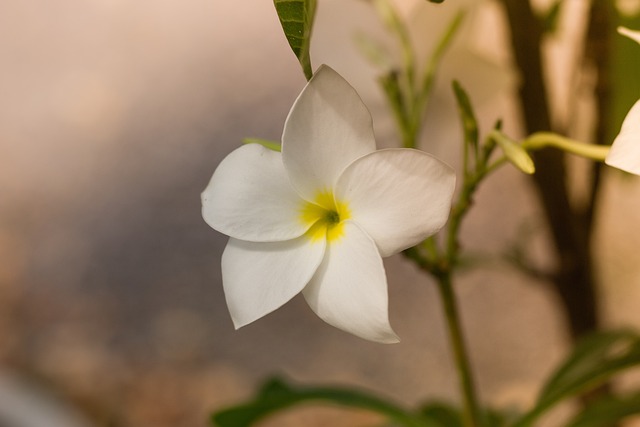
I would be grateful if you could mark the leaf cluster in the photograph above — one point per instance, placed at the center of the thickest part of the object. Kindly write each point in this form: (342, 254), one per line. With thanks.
(595, 360)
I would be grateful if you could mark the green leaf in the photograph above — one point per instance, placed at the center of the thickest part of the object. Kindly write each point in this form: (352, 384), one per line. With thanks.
(296, 17)
(392, 88)
(444, 42)
(446, 415)
(607, 411)
(469, 128)
(594, 361)
(398, 27)
(467, 116)
(276, 396)
(551, 17)
(436, 1)
(374, 52)
(271, 145)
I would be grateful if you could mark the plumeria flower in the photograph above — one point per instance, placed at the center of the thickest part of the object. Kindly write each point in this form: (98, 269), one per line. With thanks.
(633, 35)
(624, 150)
(318, 217)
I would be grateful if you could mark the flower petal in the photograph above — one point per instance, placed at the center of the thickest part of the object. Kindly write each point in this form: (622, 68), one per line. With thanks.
(249, 197)
(633, 35)
(398, 196)
(349, 290)
(625, 150)
(328, 127)
(260, 277)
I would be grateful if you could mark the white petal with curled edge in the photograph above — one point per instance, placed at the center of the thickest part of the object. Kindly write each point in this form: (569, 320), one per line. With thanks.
(258, 278)
(398, 196)
(249, 197)
(328, 127)
(349, 290)
(633, 35)
(625, 150)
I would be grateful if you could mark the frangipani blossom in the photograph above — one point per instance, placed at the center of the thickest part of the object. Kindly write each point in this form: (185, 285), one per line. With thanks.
(633, 35)
(318, 217)
(625, 150)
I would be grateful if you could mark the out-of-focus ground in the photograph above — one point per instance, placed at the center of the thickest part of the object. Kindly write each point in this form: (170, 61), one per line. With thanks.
(113, 116)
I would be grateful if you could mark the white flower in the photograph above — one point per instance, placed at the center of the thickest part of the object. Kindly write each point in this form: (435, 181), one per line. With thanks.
(624, 152)
(633, 35)
(318, 217)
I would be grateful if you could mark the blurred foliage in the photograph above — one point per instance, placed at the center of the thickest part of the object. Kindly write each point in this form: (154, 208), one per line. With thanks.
(607, 411)
(550, 18)
(275, 395)
(595, 360)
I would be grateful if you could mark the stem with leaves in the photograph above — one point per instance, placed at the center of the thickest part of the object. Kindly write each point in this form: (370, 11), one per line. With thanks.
(408, 98)
(408, 93)
(441, 262)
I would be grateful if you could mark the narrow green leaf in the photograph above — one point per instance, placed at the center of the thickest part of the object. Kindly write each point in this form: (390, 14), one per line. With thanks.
(391, 86)
(607, 411)
(444, 414)
(551, 17)
(296, 17)
(433, 62)
(276, 396)
(587, 354)
(271, 145)
(594, 361)
(374, 52)
(398, 27)
(469, 128)
(467, 116)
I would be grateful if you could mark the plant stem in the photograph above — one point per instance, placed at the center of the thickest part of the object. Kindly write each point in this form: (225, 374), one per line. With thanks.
(540, 140)
(440, 264)
(472, 413)
(596, 51)
(574, 279)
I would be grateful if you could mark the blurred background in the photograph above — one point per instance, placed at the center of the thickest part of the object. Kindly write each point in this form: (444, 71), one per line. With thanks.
(113, 116)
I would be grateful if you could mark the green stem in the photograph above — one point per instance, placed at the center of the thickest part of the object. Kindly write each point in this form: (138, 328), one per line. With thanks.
(443, 274)
(472, 413)
(541, 140)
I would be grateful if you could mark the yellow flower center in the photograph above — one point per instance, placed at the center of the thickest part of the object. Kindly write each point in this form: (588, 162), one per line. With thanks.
(326, 216)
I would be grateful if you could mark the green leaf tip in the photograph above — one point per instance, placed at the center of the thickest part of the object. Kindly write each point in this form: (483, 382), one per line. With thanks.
(296, 18)
(551, 18)
(271, 145)
(467, 115)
